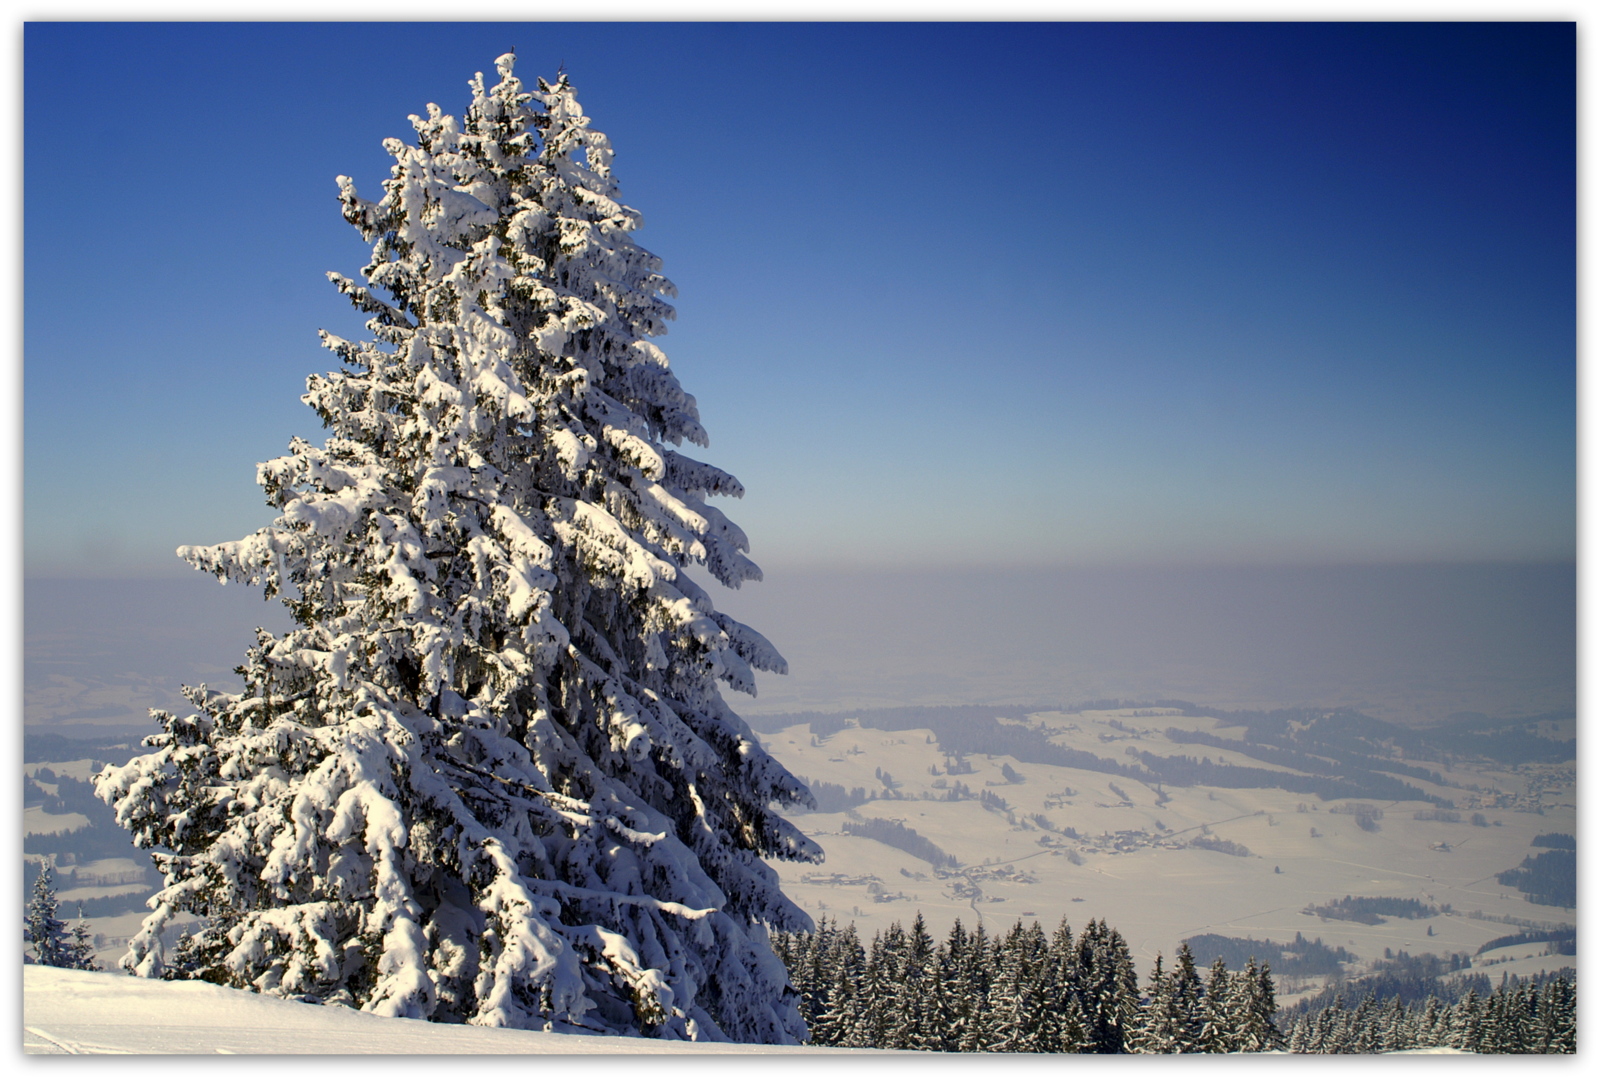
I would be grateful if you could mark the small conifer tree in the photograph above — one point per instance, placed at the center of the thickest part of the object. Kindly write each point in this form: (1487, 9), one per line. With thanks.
(46, 932)
(1218, 1020)
(82, 947)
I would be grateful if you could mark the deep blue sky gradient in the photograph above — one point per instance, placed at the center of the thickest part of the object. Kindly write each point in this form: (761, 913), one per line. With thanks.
(949, 294)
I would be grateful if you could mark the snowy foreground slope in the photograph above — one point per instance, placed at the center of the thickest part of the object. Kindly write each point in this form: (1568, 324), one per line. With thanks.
(92, 1012)
(85, 1012)
(104, 1013)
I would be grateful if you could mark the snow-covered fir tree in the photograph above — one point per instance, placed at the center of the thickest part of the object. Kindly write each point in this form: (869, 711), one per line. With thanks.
(83, 944)
(52, 944)
(1110, 989)
(46, 932)
(1218, 1018)
(489, 777)
(1020, 993)
(1256, 1005)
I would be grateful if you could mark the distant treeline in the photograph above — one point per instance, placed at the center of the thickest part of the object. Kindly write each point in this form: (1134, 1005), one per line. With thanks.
(48, 746)
(938, 718)
(1555, 840)
(96, 906)
(899, 836)
(88, 843)
(1299, 957)
(71, 796)
(1550, 877)
(1562, 943)
(961, 730)
(1413, 979)
(1508, 741)
(1216, 843)
(834, 798)
(1436, 814)
(1372, 909)
(1300, 759)
(101, 838)
(1184, 771)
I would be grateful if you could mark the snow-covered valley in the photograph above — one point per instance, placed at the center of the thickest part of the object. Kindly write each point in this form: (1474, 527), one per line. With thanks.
(1164, 863)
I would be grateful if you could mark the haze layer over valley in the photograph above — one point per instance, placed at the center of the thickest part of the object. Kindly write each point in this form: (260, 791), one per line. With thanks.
(1409, 643)
(1413, 644)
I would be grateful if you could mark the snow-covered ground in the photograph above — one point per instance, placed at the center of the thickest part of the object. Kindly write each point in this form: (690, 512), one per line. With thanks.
(79, 769)
(85, 1012)
(36, 822)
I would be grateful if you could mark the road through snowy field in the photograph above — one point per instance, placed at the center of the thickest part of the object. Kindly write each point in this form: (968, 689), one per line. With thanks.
(86, 1012)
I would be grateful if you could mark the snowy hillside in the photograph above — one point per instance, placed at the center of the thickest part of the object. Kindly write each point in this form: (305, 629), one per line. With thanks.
(81, 1012)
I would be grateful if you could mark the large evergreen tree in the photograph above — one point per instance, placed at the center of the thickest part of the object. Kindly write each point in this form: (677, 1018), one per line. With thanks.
(489, 776)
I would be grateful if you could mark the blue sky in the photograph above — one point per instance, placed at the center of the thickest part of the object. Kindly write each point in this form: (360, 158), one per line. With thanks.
(949, 294)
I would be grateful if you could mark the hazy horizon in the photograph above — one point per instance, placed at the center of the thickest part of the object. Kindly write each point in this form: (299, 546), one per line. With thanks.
(1406, 643)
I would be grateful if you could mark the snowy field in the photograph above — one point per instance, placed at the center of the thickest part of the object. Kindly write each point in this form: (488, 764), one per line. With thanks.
(35, 822)
(1130, 864)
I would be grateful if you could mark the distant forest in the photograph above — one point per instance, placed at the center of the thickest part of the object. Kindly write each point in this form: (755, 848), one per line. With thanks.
(899, 836)
(1371, 910)
(1550, 877)
(48, 746)
(1299, 957)
(101, 838)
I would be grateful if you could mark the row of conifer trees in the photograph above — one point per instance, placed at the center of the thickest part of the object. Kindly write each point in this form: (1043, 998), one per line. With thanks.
(1022, 992)
(1027, 992)
(1523, 1017)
